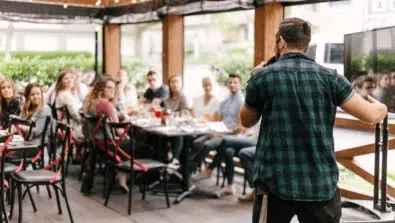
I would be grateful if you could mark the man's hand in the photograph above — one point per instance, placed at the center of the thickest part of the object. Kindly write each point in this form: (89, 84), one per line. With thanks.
(238, 129)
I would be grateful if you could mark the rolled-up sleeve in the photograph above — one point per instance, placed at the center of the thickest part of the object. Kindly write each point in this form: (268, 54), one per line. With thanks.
(343, 90)
(254, 99)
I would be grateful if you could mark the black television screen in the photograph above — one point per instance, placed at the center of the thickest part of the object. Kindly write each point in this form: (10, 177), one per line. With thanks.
(372, 53)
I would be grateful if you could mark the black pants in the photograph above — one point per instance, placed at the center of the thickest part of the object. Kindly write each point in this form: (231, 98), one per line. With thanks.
(282, 211)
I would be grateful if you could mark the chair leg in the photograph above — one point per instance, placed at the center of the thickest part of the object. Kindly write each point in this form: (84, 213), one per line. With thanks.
(108, 193)
(67, 201)
(20, 215)
(166, 189)
(131, 184)
(244, 185)
(144, 186)
(49, 192)
(3, 207)
(57, 199)
(223, 179)
(12, 201)
(218, 172)
(31, 199)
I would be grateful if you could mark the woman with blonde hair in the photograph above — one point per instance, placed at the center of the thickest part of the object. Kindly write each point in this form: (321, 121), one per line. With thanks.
(9, 102)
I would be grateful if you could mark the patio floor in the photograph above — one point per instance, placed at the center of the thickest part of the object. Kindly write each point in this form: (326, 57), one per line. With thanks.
(152, 210)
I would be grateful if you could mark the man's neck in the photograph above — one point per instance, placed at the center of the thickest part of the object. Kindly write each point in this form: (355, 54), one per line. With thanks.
(155, 88)
(285, 51)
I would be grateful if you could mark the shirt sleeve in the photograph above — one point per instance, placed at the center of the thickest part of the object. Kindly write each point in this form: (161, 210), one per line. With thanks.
(40, 121)
(254, 99)
(343, 90)
(164, 92)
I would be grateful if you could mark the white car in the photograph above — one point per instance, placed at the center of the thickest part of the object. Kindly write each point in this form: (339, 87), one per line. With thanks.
(328, 55)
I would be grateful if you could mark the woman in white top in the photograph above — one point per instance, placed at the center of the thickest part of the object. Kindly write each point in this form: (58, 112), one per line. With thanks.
(65, 98)
(127, 93)
(207, 105)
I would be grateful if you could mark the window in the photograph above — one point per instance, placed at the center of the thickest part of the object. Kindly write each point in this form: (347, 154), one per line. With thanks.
(334, 53)
(311, 51)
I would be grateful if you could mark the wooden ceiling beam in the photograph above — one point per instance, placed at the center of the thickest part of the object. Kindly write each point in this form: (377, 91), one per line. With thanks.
(103, 3)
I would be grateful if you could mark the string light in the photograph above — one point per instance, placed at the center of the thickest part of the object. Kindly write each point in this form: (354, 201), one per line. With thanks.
(98, 2)
(116, 1)
(65, 5)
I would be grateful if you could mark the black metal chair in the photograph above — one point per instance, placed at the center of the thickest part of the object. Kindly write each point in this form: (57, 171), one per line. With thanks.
(4, 184)
(131, 166)
(45, 176)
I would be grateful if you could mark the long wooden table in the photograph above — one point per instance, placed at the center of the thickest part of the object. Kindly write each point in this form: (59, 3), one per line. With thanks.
(355, 138)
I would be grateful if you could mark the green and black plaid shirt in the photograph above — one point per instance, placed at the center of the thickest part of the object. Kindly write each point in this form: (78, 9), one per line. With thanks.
(295, 157)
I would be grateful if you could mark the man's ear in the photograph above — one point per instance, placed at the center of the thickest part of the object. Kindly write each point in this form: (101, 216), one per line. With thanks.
(282, 43)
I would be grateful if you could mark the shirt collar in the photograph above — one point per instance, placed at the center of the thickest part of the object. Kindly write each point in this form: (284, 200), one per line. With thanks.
(294, 55)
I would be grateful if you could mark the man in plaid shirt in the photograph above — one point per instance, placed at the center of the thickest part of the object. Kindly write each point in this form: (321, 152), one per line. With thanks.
(295, 167)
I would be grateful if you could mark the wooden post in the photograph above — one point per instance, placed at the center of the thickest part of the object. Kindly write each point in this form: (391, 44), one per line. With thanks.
(267, 19)
(112, 48)
(173, 46)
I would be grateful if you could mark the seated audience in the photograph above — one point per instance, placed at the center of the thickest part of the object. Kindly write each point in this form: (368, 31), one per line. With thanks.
(64, 98)
(229, 114)
(207, 105)
(155, 89)
(101, 101)
(231, 146)
(364, 85)
(126, 92)
(9, 102)
(177, 103)
(36, 110)
(383, 91)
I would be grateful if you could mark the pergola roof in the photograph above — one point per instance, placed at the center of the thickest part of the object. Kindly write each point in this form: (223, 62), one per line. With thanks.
(121, 11)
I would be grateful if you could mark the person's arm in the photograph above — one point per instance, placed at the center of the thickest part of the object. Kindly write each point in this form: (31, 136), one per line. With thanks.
(371, 111)
(249, 117)
(251, 111)
(73, 105)
(40, 121)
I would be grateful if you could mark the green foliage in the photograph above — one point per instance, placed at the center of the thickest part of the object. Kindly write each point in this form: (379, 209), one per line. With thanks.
(137, 69)
(44, 68)
(43, 71)
(235, 60)
(362, 64)
(47, 55)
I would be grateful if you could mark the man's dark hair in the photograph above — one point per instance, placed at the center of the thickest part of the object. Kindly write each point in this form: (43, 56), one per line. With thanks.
(358, 82)
(151, 72)
(296, 32)
(235, 76)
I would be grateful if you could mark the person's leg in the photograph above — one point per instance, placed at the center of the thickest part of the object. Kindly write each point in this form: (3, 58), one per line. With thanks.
(320, 212)
(246, 156)
(236, 142)
(177, 144)
(228, 155)
(272, 209)
(197, 147)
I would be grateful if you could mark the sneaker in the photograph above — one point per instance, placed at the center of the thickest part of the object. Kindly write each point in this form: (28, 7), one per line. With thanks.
(173, 167)
(226, 191)
(175, 164)
(204, 174)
